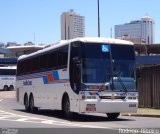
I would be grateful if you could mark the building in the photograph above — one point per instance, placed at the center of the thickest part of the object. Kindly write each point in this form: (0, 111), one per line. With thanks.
(72, 25)
(9, 44)
(2, 45)
(140, 31)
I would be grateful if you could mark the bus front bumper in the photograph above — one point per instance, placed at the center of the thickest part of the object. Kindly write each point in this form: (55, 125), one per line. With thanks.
(108, 106)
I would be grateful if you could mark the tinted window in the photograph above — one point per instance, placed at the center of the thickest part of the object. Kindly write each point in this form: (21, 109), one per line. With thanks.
(124, 52)
(62, 57)
(43, 61)
(56, 59)
(52, 59)
(7, 71)
(95, 63)
(75, 67)
(35, 65)
(95, 50)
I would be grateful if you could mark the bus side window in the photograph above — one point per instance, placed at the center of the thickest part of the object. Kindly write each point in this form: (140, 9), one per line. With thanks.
(75, 67)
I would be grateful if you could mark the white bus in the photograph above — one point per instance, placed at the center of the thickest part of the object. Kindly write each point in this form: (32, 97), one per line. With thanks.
(7, 78)
(82, 75)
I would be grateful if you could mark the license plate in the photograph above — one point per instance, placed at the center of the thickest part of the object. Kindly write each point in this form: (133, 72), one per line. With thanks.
(90, 107)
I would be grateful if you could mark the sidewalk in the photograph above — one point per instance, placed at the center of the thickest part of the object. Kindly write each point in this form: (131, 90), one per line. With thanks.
(7, 94)
(145, 112)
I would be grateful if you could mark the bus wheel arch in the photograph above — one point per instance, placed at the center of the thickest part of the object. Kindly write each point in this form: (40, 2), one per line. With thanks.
(26, 102)
(66, 106)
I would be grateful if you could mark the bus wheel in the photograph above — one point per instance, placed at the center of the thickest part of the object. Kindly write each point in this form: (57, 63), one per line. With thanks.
(66, 108)
(5, 88)
(26, 103)
(11, 87)
(113, 116)
(31, 105)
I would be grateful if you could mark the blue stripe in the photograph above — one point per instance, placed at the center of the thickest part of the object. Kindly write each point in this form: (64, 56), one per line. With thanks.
(97, 94)
(90, 93)
(45, 79)
(55, 74)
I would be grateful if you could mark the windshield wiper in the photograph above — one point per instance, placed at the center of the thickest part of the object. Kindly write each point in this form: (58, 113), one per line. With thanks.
(121, 82)
(103, 83)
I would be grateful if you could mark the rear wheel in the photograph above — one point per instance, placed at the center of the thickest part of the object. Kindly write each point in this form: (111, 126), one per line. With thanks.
(31, 105)
(5, 88)
(26, 103)
(113, 116)
(66, 108)
(11, 88)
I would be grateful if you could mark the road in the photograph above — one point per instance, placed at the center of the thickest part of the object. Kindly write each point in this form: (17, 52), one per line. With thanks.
(13, 115)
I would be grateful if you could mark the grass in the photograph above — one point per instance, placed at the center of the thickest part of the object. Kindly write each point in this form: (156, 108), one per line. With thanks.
(145, 112)
(148, 111)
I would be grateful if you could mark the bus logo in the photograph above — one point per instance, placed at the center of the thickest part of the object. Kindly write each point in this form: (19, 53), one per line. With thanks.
(27, 83)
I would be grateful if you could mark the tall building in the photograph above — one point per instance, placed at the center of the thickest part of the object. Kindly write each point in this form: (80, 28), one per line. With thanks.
(72, 25)
(140, 31)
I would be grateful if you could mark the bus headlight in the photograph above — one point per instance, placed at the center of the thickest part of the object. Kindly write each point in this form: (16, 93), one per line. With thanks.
(83, 97)
(132, 98)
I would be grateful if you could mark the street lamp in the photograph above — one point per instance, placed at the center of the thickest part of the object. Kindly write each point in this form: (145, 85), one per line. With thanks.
(98, 20)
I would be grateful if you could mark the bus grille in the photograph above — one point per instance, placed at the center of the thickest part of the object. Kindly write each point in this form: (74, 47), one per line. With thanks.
(112, 97)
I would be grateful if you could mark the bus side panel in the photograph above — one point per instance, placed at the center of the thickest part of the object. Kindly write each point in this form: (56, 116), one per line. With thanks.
(48, 89)
(20, 91)
(64, 87)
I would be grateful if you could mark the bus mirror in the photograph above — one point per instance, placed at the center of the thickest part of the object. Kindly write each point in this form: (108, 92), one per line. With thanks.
(77, 61)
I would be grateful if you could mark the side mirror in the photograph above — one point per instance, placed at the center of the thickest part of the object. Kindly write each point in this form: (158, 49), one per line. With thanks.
(77, 60)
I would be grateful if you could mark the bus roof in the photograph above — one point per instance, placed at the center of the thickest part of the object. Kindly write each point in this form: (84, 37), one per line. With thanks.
(102, 40)
(84, 39)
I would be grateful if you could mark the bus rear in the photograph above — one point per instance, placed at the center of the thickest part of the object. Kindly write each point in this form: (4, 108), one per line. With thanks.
(7, 78)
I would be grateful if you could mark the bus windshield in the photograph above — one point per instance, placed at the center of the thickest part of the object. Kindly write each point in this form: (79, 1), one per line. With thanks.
(95, 63)
(123, 60)
(103, 63)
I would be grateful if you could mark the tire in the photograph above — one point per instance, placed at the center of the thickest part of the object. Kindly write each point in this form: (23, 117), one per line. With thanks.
(11, 88)
(113, 116)
(66, 108)
(26, 103)
(5, 88)
(31, 105)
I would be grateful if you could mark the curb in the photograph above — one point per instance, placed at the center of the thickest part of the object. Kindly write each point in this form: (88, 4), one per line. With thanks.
(142, 115)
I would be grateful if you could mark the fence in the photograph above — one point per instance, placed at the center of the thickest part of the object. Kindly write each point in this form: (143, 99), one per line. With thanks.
(149, 87)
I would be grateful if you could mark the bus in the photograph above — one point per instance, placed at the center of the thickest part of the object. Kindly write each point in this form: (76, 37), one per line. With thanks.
(7, 78)
(82, 75)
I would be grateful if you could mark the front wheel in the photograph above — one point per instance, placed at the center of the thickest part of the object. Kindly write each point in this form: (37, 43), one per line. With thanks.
(11, 88)
(66, 108)
(113, 116)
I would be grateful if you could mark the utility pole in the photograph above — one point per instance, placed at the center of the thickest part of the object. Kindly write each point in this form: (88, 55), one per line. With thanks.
(99, 34)
(34, 38)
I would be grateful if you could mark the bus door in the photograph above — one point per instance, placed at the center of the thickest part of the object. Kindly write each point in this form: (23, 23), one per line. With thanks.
(75, 73)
